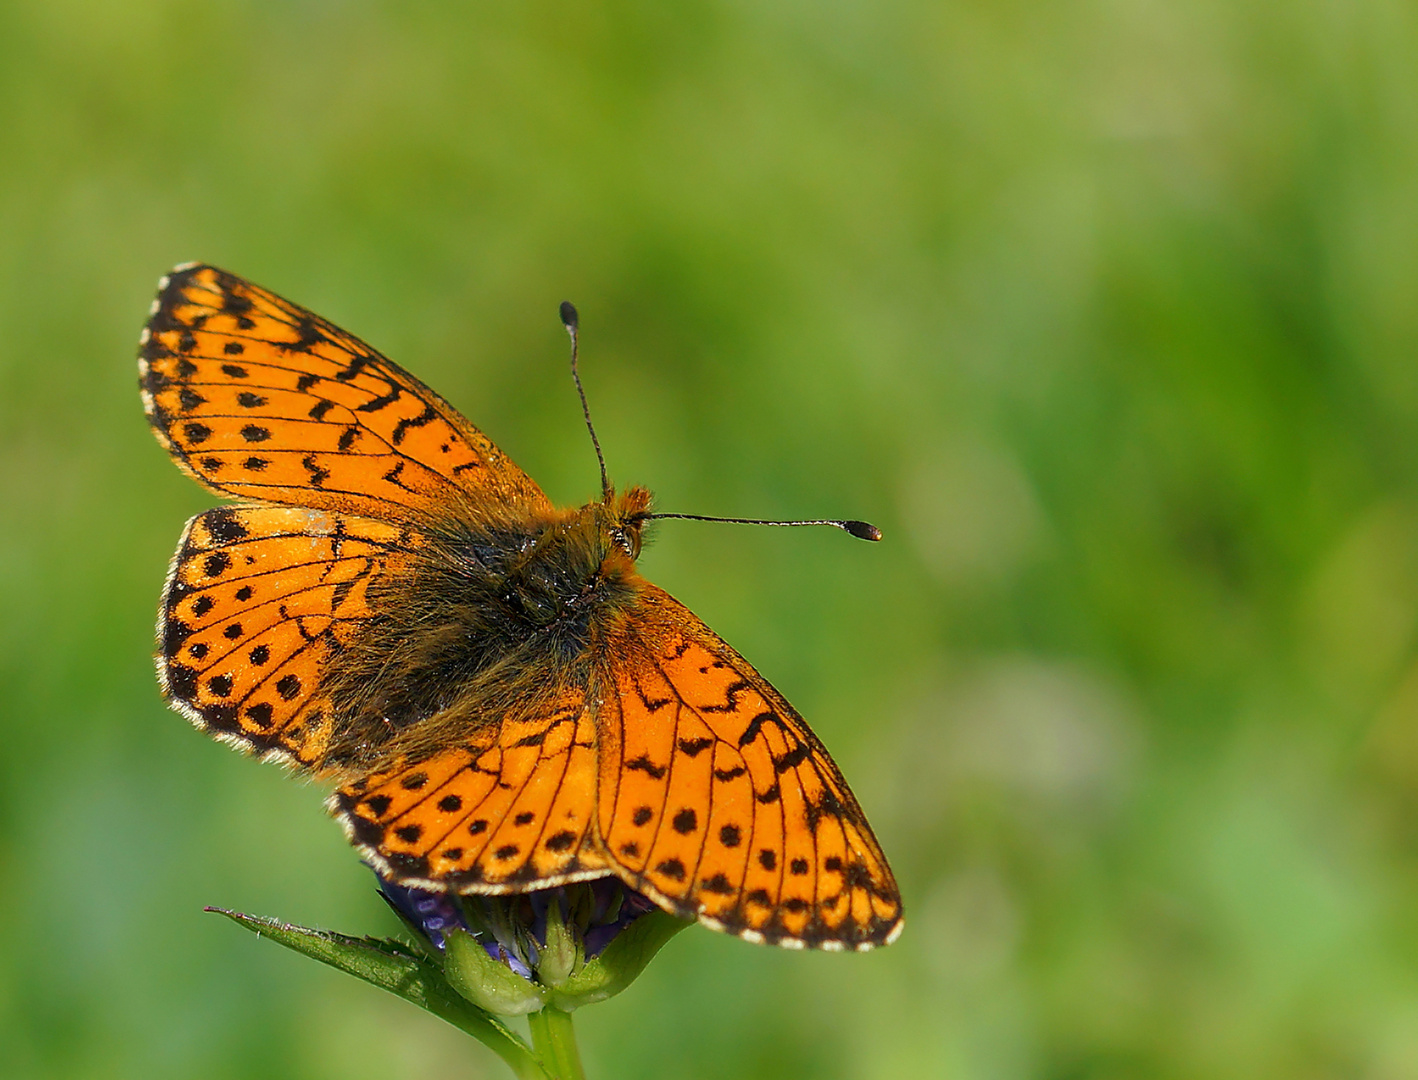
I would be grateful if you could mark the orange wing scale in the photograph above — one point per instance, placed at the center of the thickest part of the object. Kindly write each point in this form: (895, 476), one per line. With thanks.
(718, 802)
(257, 601)
(258, 398)
(512, 809)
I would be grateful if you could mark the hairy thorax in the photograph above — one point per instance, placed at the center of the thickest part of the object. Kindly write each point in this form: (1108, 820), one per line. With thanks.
(490, 620)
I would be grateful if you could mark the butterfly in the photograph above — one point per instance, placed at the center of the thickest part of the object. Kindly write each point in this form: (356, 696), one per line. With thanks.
(503, 703)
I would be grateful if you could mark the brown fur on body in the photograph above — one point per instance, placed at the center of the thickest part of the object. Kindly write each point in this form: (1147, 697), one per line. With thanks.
(493, 619)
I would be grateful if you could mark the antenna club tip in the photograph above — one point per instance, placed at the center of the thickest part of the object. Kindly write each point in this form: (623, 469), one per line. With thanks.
(569, 318)
(862, 530)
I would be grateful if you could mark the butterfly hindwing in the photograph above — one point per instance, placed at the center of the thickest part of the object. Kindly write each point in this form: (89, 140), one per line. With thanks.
(510, 808)
(717, 801)
(258, 600)
(258, 398)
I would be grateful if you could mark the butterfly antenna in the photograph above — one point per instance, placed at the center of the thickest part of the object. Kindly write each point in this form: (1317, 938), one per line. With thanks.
(862, 530)
(572, 322)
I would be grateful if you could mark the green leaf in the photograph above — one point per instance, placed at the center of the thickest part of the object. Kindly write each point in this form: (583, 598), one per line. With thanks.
(393, 966)
(561, 956)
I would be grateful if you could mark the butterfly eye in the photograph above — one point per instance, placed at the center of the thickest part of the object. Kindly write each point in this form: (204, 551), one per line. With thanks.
(627, 541)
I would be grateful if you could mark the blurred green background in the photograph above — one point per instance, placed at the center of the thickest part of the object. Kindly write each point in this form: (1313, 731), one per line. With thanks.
(1107, 313)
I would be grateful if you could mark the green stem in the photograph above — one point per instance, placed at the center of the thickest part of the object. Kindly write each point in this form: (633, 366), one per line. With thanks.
(510, 1050)
(554, 1040)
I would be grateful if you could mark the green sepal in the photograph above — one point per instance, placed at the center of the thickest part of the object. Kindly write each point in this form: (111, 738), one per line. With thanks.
(393, 966)
(619, 965)
(489, 984)
(561, 956)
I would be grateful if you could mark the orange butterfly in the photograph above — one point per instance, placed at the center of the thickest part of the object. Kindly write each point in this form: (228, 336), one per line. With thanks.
(505, 703)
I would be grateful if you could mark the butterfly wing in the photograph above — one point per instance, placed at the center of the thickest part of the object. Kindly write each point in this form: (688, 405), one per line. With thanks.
(258, 398)
(509, 809)
(716, 801)
(258, 600)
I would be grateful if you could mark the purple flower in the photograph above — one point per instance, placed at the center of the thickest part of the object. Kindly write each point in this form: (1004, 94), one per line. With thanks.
(431, 914)
(512, 928)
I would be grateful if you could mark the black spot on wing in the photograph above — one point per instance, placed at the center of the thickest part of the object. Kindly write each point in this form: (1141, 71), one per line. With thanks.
(233, 302)
(561, 841)
(316, 473)
(718, 884)
(792, 758)
(402, 427)
(175, 635)
(754, 726)
(645, 765)
(671, 868)
(685, 821)
(375, 404)
(731, 698)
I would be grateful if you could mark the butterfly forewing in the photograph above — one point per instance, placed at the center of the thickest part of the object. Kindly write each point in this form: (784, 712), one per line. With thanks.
(258, 398)
(717, 800)
(258, 600)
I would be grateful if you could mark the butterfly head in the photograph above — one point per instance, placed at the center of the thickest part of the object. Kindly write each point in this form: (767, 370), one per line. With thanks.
(626, 515)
